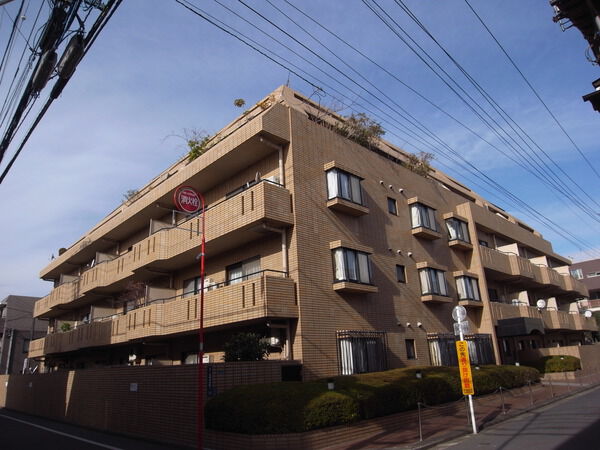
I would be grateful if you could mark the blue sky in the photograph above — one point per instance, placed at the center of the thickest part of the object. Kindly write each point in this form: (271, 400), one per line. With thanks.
(157, 70)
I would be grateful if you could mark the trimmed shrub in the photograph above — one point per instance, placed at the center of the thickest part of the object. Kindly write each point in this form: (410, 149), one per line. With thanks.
(557, 363)
(284, 407)
(289, 407)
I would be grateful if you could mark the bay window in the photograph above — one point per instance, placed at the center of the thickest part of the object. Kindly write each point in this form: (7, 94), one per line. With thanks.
(433, 282)
(468, 288)
(343, 185)
(423, 216)
(351, 265)
(457, 230)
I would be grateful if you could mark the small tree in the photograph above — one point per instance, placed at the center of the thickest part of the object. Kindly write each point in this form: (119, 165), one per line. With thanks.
(197, 143)
(239, 102)
(246, 347)
(361, 129)
(65, 326)
(129, 194)
(420, 163)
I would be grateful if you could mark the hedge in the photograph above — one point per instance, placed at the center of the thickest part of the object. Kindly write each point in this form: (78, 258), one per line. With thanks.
(288, 407)
(557, 363)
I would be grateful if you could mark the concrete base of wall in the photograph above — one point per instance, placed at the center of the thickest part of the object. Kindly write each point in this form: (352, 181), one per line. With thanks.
(153, 402)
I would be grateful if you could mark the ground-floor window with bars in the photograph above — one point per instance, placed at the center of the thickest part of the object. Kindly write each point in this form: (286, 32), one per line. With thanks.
(361, 351)
(442, 349)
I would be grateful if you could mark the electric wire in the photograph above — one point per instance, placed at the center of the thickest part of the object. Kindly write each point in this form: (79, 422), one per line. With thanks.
(514, 64)
(528, 165)
(10, 43)
(191, 8)
(11, 98)
(97, 27)
(507, 118)
(297, 41)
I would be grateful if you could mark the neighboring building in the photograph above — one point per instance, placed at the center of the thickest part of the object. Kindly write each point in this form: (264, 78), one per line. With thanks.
(16, 326)
(585, 16)
(338, 253)
(589, 274)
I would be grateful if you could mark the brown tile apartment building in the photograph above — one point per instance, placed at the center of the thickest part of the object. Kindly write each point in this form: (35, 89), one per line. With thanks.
(345, 259)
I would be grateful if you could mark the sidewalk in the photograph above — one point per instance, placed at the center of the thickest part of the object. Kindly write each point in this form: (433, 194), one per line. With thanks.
(445, 422)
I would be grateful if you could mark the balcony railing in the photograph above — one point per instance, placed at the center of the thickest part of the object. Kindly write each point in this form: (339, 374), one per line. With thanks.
(516, 267)
(264, 202)
(267, 294)
(552, 319)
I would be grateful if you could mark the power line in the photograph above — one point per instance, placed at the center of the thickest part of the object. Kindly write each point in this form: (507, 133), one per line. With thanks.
(99, 24)
(514, 64)
(527, 163)
(537, 214)
(507, 118)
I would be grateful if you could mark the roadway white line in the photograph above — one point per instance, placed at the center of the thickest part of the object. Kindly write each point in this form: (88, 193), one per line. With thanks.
(61, 433)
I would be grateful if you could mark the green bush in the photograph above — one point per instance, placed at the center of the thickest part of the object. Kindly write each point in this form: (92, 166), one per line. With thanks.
(289, 407)
(557, 363)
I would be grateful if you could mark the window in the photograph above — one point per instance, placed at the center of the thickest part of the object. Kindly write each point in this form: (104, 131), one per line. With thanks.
(392, 208)
(577, 273)
(442, 349)
(25, 345)
(400, 273)
(493, 295)
(344, 185)
(433, 282)
(410, 349)
(423, 216)
(243, 271)
(468, 288)
(351, 265)
(191, 286)
(483, 243)
(457, 229)
(361, 351)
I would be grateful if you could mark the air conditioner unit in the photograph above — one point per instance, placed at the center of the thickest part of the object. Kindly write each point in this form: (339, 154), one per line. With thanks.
(516, 301)
(210, 284)
(274, 341)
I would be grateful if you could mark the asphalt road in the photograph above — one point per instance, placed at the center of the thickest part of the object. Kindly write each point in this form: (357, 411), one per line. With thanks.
(22, 432)
(569, 424)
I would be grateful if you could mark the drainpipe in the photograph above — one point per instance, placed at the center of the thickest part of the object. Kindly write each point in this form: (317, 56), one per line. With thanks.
(284, 249)
(10, 352)
(279, 149)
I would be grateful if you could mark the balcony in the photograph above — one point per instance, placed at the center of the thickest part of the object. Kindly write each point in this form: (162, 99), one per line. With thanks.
(551, 319)
(583, 323)
(60, 295)
(229, 224)
(268, 295)
(553, 278)
(575, 286)
(558, 320)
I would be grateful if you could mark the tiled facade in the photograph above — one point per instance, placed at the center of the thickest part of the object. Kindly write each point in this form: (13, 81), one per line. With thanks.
(351, 261)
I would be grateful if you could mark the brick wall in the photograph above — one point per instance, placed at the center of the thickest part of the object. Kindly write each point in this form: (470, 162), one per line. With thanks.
(153, 402)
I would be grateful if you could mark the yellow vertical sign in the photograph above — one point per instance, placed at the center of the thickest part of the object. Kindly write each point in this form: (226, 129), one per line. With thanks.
(464, 366)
